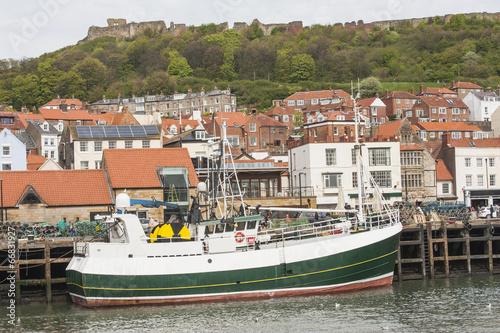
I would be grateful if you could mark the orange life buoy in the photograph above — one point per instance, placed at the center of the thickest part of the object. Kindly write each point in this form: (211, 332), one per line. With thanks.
(239, 237)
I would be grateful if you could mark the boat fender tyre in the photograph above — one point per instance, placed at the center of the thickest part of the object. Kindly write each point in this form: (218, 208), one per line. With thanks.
(469, 226)
(436, 247)
(492, 230)
(239, 237)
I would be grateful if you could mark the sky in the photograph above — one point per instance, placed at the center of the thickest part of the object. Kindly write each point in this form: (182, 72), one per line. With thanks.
(30, 28)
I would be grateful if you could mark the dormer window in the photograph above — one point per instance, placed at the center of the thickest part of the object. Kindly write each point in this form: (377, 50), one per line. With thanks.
(45, 127)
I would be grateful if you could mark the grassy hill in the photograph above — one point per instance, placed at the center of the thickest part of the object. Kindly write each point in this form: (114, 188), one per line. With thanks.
(259, 68)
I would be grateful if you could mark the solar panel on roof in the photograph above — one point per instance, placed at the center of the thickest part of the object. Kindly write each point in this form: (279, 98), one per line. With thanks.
(97, 132)
(151, 129)
(83, 132)
(111, 132)
(138, 131)
(124, 131)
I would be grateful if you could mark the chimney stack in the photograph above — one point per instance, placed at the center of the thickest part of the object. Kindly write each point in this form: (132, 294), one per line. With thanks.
(58, 99)
(421, 88)
(387, 93)
(452, 83)
(63, 106)
(444, 84)
(412, 91)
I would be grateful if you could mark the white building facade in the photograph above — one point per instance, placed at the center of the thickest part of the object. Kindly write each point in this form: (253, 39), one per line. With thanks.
(482, 105)
(330, 169)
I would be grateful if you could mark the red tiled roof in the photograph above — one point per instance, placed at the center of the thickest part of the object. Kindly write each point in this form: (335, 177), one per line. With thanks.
(279, 110)
(233, 117)
(466, 85)
(480, 143)
(439, 91)
(436, 101)
(367, 101)
(78, 104)
(166, 123)
(447, 126)
(136, 168)
(318, 94)
(400, 95)
(410, 147)
(265, 120)
(281, 164)
(388, 130)
(58, 187)
(442, 172)
(35, 161)
(23, 117)
(57, 114)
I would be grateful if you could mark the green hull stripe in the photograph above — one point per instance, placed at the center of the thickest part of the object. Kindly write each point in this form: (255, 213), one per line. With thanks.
(243, 282)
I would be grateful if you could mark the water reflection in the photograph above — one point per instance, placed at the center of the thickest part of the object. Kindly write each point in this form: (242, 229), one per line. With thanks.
(444, 305)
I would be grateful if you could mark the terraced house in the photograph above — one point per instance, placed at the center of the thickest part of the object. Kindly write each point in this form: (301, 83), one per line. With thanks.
(434, 108)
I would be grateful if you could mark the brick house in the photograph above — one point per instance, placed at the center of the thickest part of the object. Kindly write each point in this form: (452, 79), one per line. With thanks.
(459, 130)
(398, 101)
(305, 99)
(463, 88)
(434, 108)
(373, 109)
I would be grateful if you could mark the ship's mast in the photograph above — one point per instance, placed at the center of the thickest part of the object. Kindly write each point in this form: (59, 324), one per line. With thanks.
(359, 175)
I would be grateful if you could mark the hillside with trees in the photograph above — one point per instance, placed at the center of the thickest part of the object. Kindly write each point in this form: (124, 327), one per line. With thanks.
(259, 68)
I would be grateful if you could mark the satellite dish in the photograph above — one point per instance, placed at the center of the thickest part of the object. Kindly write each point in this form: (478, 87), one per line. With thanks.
(236, 124)
(122, 201)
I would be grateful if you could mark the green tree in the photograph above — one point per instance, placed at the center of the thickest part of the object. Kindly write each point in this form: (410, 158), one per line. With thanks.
(25, 91)
(302, 68)
(369, 87)
(179, 66)
(282, 67)
(94, 72)
(160, 82)
(298, 119)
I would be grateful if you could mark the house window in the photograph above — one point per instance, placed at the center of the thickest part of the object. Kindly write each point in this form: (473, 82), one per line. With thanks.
(493, 180)
(380, 156)
(252, 127)
(233, 140)
(285, 118)
(354, 179)
(353, 156)
(456, 135)
(479, 162)
(446, 188)
(78, 122)
(434, 110)
(412, 158)
(300, 102)
(263, 143)
(112, 144)
(128, 144)
(468, 180)
(52, 154)
(331, 158)
(46, 142)
(6, 151)
(97, 164)
(51, 142)
(332, 180)
(145, 144)
(98, 146)
(6, 166)
(84, 146)
(467, 162)
(314, 101)
(492, 162)
(84, 164)
(442, 110)
(291, 103)
(253, 141)
(200, 135)
(335, 130)
(398, 101)
(382, 178)
(273, 130)
(480, 180)
(413, 180)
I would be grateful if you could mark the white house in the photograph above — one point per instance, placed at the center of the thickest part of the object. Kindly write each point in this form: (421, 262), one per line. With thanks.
(330, 168)
(46, 137)
(13, 155)
(474, 165)
(482, 105)
(82, 146)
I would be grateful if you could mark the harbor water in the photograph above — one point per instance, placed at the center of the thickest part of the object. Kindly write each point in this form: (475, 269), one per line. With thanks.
(466, 304)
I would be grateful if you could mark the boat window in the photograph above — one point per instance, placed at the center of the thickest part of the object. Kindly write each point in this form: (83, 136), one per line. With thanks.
(229, 227)
(209, 229)
(251, 225)
(219, 228)
(241, 225)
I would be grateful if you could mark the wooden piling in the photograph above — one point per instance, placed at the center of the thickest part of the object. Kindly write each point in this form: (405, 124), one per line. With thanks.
(48, 285)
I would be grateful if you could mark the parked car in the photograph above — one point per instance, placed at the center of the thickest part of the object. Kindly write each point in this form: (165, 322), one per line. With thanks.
(486, 213)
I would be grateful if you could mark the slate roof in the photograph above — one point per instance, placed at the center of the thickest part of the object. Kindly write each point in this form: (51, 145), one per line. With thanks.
(136, 168)
(58, 188)
(26, 139)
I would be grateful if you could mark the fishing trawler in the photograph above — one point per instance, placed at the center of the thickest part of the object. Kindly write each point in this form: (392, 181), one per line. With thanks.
(233, 257)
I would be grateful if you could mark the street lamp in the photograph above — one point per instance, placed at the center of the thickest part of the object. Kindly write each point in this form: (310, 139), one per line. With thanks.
(300, 187)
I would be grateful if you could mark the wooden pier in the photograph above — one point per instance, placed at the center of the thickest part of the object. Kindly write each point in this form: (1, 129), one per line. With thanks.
(430, 250)
(440, 250)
